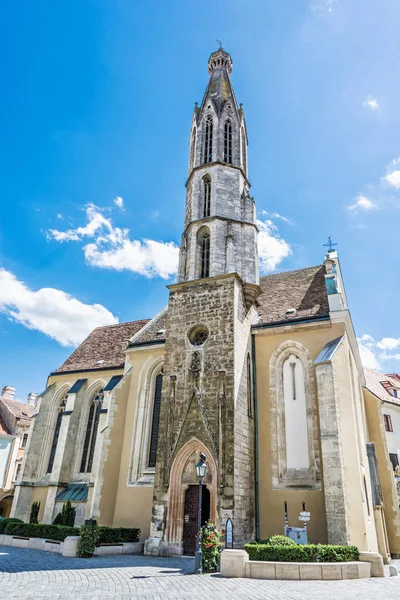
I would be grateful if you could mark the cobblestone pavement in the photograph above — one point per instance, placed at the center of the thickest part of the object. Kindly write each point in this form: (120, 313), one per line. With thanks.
(34, 574)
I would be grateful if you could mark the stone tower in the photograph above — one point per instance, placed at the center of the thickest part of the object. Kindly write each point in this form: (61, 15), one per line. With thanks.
(207, 398)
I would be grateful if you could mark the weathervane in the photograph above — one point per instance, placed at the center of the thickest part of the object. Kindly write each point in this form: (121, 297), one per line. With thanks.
(220, 44)
(330, 245)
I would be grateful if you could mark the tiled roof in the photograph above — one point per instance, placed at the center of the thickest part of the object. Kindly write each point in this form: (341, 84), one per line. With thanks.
(375, 382)
(103, 348)
(303, 290)
(3, 428)
(20, 410)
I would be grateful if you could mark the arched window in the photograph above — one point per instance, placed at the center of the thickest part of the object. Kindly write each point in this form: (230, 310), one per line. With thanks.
(249, 388)
(206, 195)
(208, 139)
(228, 142)
(294, 437)
(244, 151)
(155, 421)
(60, 411)
(91, 432)
(205, 255)
(192, 148)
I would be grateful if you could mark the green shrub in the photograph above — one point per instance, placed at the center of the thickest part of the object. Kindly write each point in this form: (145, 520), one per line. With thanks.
(5, 522)
(302, 553)
(50, 532)
(68, 514)
(280, 540)
(115, 535)
(88, 538)
(210, 540)
(33, 517)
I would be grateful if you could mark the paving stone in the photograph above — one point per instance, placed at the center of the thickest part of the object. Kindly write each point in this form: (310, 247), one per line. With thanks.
(31, 574)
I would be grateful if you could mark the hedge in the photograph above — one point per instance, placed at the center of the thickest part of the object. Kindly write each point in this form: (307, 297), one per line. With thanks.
(302, 553)
(109, 535)
(5, 522)
(50, 532)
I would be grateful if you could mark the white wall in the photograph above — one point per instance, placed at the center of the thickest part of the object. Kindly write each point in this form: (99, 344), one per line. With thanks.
(393, 438)
(297, 456)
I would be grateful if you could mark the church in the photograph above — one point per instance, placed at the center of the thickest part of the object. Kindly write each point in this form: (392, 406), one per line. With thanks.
(261, 374)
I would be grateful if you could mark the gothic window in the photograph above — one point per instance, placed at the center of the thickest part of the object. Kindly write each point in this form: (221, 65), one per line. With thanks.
(249, 388)
(206, 195)
(228, 142)
(204, 255)
(61, 409)
(155, 421)
(208, 139)
(297, 455)
(192, 148)
(294, 430)
(91, 432)
(244, 151)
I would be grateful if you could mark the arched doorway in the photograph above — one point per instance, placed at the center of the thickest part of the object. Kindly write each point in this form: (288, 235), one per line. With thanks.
(191, 512)
(183, 477)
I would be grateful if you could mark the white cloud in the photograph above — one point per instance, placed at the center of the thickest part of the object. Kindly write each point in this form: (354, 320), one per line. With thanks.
(323, 7)
(392, 176)
(371, 103)
(272, 249)
(145, 257)
(112, 247)
(393, 179)
(59, 216)
(362, 203)
(378, 355)
(389, 343)
(118, 201)
(50, 311)
(276, 215)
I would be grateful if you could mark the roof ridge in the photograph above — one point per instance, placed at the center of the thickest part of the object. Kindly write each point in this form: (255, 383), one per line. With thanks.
(119, 324)
(291, 271)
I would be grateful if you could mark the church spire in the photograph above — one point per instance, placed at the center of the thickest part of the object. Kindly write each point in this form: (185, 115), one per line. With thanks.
(219, 87)
(220, 234)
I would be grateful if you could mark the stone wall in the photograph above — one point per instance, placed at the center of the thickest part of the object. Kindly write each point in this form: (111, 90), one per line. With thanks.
(205, 398)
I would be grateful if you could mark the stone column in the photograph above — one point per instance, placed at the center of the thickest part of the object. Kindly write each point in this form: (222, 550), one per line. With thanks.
(332, 456)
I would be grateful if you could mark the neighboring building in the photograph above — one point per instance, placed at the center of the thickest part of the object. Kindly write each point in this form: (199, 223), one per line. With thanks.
(261, 374)
(387, 388)
(15, 421)
(382, 403)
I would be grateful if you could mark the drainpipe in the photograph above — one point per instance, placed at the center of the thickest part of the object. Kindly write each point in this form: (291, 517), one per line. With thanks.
(256, 499)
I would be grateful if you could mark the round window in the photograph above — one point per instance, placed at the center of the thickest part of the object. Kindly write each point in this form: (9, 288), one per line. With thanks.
(198, 335)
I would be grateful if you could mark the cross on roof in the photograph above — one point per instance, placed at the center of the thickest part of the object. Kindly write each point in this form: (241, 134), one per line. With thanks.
(330, 245)
(220, 44)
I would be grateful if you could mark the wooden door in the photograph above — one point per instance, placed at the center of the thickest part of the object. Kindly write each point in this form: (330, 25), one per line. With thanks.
(190, 520)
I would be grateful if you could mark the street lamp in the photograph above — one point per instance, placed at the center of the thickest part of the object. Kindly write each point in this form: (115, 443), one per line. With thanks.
(201, 470)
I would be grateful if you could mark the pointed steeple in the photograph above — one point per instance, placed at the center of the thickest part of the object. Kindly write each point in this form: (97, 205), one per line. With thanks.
(219, 87)
(220, 232)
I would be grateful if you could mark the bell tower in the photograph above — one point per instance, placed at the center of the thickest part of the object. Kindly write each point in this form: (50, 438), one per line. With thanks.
(220, 232)
(207, 397)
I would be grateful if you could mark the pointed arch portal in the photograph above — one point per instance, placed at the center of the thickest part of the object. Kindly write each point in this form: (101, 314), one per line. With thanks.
(182, 478)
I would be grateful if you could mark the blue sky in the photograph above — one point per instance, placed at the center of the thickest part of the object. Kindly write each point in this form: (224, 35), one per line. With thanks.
(95, 110)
